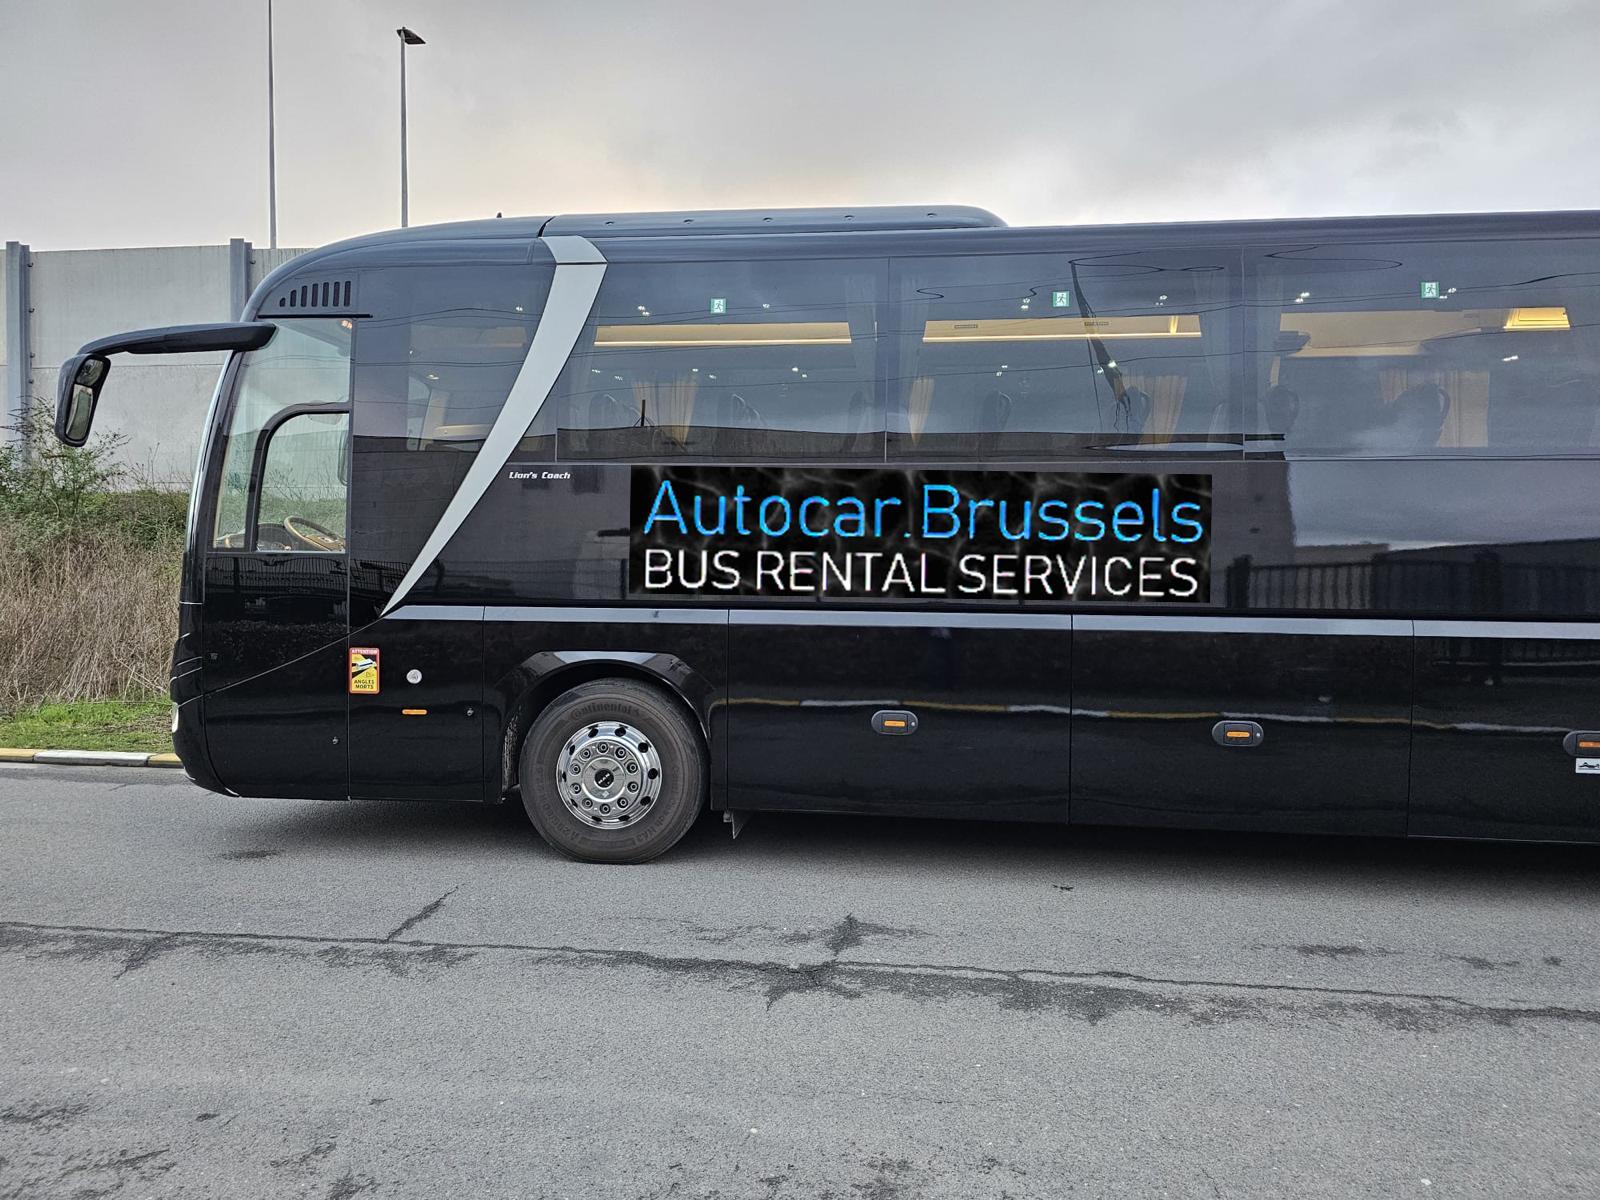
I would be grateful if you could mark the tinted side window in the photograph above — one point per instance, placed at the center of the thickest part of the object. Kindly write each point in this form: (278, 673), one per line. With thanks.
(734, 361)
(1038, 357)
(433, 367)
(1432, 348)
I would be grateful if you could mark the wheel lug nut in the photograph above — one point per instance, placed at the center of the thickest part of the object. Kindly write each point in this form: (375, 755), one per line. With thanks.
(623, 802)
(605, 808)
(588, 803)
(585, 752)
(633, 787)
(633, 767)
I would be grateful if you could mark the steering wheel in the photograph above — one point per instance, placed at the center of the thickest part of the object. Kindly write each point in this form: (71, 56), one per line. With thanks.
(318, 537)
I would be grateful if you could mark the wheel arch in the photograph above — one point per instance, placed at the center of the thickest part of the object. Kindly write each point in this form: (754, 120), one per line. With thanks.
(542, 677)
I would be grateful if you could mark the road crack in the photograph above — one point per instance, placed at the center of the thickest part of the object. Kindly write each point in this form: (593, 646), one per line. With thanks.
(1091, 995)
(421, 915)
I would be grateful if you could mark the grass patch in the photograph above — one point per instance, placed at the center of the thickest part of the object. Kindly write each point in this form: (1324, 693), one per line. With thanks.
(91, 725)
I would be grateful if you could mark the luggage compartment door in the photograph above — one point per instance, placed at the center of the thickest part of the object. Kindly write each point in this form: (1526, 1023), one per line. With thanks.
(983, 700)
(1319, 712)
(1498, 705)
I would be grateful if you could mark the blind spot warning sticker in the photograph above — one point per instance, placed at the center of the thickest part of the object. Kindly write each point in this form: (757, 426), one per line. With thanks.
(1589, 766)
(363, 671)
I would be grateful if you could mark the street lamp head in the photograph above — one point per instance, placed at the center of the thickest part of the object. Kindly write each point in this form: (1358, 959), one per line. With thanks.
(409, 38)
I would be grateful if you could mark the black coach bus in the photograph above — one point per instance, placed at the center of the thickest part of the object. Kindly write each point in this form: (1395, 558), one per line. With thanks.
(1288, 525)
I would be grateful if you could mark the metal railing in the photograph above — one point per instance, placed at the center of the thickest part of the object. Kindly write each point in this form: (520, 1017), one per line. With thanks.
(1483, 585)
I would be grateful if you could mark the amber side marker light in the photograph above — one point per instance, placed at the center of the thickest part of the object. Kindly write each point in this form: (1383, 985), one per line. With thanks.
(1582, 743)
(895, 721)
(413, 712)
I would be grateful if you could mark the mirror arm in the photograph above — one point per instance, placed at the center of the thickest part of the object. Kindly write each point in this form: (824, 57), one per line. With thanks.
(186, 339)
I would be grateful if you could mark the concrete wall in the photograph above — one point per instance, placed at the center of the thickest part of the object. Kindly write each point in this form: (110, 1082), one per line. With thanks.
(156, 404)
(5, 316)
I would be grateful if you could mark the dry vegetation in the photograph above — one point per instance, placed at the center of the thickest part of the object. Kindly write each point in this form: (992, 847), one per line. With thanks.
(89, 618)
(88, 575)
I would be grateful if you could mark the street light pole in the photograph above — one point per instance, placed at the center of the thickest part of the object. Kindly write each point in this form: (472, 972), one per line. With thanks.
(272, 143)
(407, 38)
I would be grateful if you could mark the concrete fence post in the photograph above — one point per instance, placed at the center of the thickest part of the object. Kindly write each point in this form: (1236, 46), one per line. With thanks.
(239, 252)
(18, 342)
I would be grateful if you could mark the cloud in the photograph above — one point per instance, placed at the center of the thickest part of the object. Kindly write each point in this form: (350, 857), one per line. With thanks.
(146, 124)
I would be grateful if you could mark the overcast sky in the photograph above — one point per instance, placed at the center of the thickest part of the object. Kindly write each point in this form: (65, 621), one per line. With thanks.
(145, 123)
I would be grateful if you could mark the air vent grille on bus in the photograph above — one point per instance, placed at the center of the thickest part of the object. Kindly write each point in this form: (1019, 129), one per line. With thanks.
(327, 293)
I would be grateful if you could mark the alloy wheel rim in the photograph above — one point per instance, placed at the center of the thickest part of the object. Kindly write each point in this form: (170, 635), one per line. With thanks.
(608, 774)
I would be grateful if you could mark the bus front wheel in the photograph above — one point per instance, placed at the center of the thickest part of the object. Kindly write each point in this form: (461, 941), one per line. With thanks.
(612, 771)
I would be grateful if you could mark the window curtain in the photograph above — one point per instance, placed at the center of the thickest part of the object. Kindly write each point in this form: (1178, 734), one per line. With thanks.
(1214, 401)
(667, 406)
(1166, 403)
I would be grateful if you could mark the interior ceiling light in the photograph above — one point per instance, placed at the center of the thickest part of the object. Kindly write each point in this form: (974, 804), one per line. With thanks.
(1537, 318)
(1400, 333)
(766, 333)
(1062, 329)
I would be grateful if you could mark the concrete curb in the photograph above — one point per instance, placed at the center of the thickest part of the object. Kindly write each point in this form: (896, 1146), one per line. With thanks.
(89, 758)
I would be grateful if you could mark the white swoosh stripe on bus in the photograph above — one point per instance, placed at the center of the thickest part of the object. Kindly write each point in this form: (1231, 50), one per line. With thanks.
(579, 269)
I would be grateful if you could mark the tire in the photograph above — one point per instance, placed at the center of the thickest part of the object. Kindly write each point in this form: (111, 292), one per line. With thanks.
(612, 772)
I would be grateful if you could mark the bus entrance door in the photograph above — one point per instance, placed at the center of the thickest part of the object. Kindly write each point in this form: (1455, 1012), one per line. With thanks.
(273, 632)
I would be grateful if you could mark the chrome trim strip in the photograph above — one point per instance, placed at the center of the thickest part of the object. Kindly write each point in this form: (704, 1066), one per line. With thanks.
(1576, 631)
(627, 616)
(579, 270)
(1090, 623)
(900, 619)
(1303, 626)
(437, 612)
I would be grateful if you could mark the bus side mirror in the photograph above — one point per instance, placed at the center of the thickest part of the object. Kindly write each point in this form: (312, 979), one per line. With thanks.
(78, 392)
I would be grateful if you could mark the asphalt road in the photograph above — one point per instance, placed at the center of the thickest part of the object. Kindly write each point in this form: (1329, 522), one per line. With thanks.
(210, 997)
